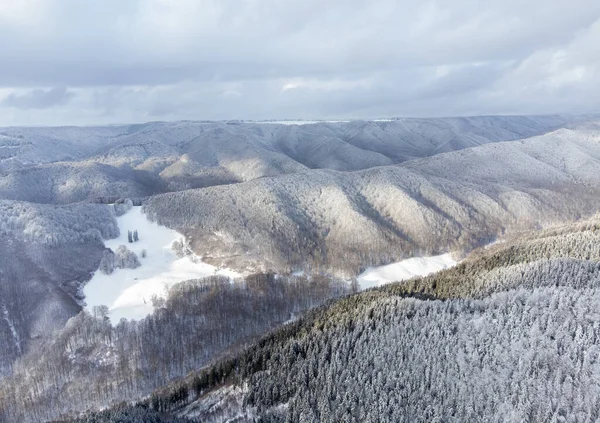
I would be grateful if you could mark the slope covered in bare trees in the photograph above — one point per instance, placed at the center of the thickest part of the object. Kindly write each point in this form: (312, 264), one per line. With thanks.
(345, 221)
(46, 254)
(90, 362)
(69, 164)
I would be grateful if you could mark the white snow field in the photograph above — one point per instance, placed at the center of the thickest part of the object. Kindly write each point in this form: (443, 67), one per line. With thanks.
(128, 292)
(403, 270)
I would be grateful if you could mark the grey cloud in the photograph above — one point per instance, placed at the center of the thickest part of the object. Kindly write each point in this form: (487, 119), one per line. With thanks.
(38, 98)
(179, 59)
(102, 43)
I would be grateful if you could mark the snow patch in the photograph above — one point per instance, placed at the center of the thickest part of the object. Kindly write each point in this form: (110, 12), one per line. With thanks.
(495, 242)
(403, 270)
(128, 292)
(12, 328)
(225, 404)
(298, 122)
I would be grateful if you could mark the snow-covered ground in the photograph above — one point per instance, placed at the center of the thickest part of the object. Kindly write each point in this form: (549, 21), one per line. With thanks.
(12, 328)
(298, 122)
(403, 270)
(226, 402)
(128, 292)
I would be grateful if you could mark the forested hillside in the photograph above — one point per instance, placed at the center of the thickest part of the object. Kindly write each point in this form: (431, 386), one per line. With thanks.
(510, 334)
(46, 253)
(313, 220)
(344, 221)
(70, 164)
(91, 363)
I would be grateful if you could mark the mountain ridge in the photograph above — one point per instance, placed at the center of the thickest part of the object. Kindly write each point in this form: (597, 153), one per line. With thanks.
(174, 155)
(421, 206)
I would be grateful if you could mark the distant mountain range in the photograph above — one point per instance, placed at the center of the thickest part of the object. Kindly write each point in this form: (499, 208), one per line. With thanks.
(68, 164)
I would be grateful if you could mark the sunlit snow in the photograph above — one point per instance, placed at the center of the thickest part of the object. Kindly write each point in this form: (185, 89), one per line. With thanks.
(128, 292)
(12, 328)
(403, 270)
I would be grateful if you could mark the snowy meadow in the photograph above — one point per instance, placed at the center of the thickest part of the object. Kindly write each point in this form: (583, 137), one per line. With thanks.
(129, 293)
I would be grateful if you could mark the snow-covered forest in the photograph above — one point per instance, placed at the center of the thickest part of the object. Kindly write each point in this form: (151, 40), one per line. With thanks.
(46, 253)
(299, 211)
(219, 238)
(341, 222)
(91, 362)
(510, 334)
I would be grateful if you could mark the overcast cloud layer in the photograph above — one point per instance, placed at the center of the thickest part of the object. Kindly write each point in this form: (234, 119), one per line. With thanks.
(90, 62)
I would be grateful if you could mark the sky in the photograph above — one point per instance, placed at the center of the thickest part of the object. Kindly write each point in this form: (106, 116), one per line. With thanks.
(80, 62)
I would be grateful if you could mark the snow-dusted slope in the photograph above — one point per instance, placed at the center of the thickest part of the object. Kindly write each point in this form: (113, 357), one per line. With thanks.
(36, 163)
(70, 182)
(128, 292)
(403, 270)
(348, 220)
(21, 147)
(45, 253)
